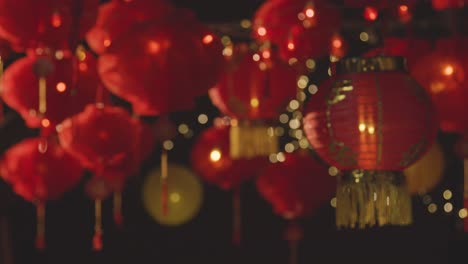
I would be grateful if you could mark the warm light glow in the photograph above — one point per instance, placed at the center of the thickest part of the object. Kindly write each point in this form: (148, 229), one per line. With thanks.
(254, 102)
(310, 12)
(266, 54)
(215, 155)
(448, 207)
(313, 89)
(256, 57)
(370, 13)
(447, 194)
(174, 197)
(56, 20)
(310, 64)
(294, 104)
(207, 39)
(284, 118)
(245, 23)
(432, 208)
(333, 171)
(448, 70)
(45, 122)
(153, 47)
(362, 127)
(83, 66)
(61, 87)
(403, 8)
(371, 130)
(107, 43)
(337, 43)
(289, 148)
(333, 202)
(183, 129)
(59, 54)
(463, 213)
(168, 145)
(261, 31)
(364, 36)
(280, 157)
(291, 46)
(202, 119)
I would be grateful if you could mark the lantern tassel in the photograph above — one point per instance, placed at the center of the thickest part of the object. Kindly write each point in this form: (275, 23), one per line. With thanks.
(42, 96)
(118, 216)
(40, 226)
(369, 198)
(97, 238)
(252, 140)
(164, 183)
(293, 235)
(465, 192)
(236, 217)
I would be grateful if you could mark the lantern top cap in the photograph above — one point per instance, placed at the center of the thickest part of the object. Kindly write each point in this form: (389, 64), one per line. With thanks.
(371, 64)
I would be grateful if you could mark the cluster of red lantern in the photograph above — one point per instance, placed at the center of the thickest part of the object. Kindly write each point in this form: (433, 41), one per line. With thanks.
(154, 51)
(302, 29)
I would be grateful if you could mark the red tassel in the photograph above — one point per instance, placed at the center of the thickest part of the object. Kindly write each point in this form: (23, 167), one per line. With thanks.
(97, 238)
(236, 217)
(164, 184)
(293, 234)
(118, 217)
(40, 226)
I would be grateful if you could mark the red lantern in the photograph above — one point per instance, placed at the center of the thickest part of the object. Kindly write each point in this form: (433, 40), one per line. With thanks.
(353, 125)
(50, 24)
(40, 170)
(444, 74)
(412, 49)
(379, 3)
(296, 187)
(302, 29)
(210, 159)
(151, 64)
(71, 84)
(448, 4)
(117, 17)
(100, 137)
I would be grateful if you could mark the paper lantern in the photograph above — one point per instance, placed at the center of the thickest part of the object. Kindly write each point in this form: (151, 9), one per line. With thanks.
(39, 170)
(100, 137)
(448, 4)
(302, 29)
(46, 25)
(71, 84)
(425, 174)
(184, 191)
(139, 70)
(211, 160)
(296, 187)
(116, 18)
(444, 74)
(353, 125)
(254, 90)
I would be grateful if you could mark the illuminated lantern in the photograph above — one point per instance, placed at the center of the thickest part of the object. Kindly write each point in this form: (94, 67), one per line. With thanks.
(412, 49)
(353, 125)
(152, 63)
(255, 88)
(40, 170)
(185, 194)
(444, 74)
(116, 18)
(210, 159)
(448, 4)
(71, 84)
(48, 25)
(302, 29)
(424, 175)
(296, 187)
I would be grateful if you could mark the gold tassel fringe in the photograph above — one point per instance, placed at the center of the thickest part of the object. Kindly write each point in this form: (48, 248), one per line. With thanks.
(370, 198)
(252, 140)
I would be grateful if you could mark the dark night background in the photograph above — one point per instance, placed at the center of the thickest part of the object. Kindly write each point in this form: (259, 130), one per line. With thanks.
(433, 238)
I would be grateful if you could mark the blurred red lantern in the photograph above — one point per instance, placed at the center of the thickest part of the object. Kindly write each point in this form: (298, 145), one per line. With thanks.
(379, 4)
(296, 187)
(352, 124)
(255, 88)
(211, 160)
(117, 17)
(444, 74)
(71, 84)
(49, 24)
(155, 61)
(448, 4)
(40, 170)
(412, 49)
(302, 29)
(368, 88)
(100, 137)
